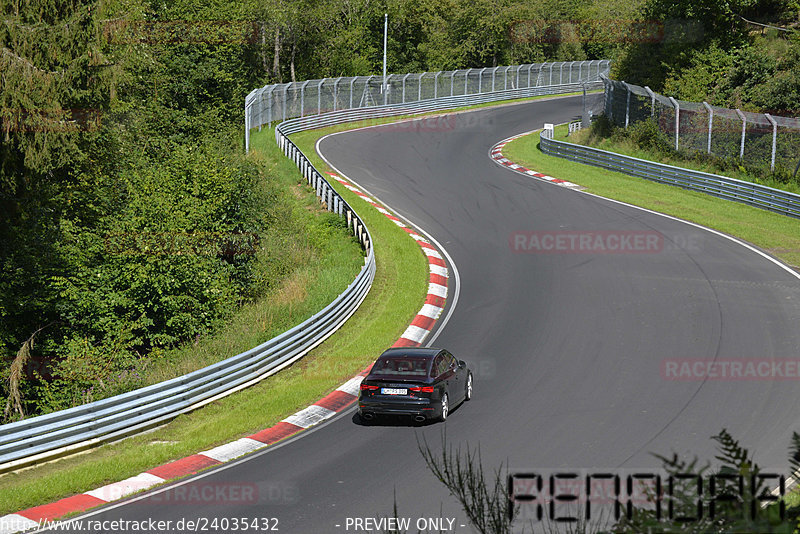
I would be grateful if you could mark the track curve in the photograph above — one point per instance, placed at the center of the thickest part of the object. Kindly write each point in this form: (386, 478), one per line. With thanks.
(568, 347)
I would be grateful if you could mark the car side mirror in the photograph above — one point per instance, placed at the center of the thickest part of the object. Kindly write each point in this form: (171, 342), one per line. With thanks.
(462, 364)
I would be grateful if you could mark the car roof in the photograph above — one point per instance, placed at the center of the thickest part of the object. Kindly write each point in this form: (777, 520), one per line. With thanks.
(419, 352)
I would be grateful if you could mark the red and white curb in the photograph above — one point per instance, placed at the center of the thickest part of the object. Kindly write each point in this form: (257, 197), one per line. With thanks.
(337, 401)
(496, 153)
(422, 324)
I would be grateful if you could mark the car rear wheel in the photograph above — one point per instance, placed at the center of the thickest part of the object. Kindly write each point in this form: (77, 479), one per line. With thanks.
(468, 392)
(445, 408)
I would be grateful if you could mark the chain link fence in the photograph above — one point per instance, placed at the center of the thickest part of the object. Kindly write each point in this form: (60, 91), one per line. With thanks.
(278, 102)
(760, 140)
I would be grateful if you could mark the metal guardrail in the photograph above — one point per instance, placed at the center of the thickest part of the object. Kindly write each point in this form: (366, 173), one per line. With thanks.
(753, 194)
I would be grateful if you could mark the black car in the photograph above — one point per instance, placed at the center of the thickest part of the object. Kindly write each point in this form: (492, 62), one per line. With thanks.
(424, 383)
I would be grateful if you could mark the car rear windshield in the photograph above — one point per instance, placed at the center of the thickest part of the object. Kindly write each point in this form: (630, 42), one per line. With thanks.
(401, 367)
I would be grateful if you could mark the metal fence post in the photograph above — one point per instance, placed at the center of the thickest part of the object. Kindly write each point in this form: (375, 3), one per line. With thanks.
(419, 89)
(494, 75)
(285, 98)
(404, 86)
(744, 130)
(652, 100)
(436, 84)
(260, 111)
(269, 109)
(609, 100)
(352, 84)
(551, 74)
(246, 129)
(505, 78)
(303, 97)
(561, 74)
(480, 80)
(336, 92)
(517, 81)
(710, 124)
(627, 104)
(367, 92)
(774, 140)
(388, 88)
(530, 67)
(319, 95)
(677, 120)
(586, 120)
(466, 81)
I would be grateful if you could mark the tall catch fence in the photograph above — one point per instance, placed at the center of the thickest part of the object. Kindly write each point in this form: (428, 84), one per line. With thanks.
(279, 102)
(757, 139)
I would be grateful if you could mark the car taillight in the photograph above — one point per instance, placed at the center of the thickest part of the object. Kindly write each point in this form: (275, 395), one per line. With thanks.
(368, 387)
(423, 389)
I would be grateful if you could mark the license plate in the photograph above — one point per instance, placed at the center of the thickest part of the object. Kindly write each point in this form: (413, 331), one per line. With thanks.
(394, 391)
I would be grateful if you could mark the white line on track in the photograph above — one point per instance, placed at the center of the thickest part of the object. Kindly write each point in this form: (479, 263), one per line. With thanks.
(451, 264)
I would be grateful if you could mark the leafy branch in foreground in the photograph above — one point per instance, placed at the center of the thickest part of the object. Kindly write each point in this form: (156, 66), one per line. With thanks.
(484, 501)
(735, 497)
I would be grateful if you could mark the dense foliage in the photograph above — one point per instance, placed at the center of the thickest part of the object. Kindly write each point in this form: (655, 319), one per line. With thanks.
(714, 50)
(130, 222)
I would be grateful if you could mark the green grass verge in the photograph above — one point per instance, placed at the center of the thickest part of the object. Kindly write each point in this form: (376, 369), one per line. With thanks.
(397, 294)
(774, 233)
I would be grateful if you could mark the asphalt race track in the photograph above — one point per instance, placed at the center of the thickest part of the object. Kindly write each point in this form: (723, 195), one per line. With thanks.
(570, 348)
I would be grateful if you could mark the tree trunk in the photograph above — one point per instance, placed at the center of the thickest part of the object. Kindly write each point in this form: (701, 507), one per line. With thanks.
(263, 31)
(276, 61)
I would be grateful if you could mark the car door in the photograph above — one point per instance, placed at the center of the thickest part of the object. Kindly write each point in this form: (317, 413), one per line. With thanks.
(442, 375)
(456, 379)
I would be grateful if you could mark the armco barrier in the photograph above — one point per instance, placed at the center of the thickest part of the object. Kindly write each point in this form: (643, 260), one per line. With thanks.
(749, 193)
(56, 434)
